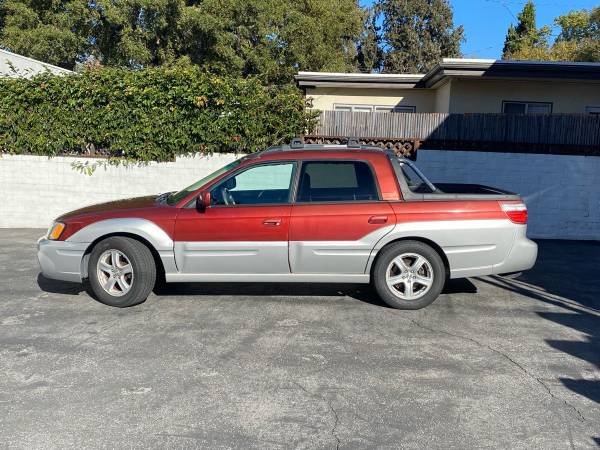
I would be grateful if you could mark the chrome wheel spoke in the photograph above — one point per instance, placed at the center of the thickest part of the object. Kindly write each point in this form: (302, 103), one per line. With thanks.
(409, 289)
(109, 284)
(126, 269)
(114, 255)
(393, 281)
(400, 264)
(105, 267)
(123, 284)
(418, 263)
(423, 280)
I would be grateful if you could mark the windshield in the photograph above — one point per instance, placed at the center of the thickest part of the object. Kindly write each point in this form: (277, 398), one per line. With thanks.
(176, 197)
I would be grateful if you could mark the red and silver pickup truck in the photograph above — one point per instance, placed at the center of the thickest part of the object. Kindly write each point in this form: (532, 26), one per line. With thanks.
(296, 213)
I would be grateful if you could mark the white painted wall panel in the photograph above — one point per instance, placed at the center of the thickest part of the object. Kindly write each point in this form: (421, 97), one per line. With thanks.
(562, 193)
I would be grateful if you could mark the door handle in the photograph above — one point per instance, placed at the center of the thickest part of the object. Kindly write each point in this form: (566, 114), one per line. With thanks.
(378, 219)
(272, 222)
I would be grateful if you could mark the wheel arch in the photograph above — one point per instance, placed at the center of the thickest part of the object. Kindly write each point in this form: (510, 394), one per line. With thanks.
(429, 242)
(160, 268)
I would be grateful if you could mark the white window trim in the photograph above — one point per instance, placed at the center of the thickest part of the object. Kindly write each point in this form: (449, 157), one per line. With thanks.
(527, 103)
(394, 108)
(592, 109)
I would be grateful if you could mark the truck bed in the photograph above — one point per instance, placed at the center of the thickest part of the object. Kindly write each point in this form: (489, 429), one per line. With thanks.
(416, 187)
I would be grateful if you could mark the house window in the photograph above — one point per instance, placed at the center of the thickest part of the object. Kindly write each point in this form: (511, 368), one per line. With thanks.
(593, 110)
(396, 109)
(509, 107)
(375, 108)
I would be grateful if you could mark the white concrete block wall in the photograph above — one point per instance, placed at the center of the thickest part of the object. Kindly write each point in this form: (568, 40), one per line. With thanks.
(35, 189)
(562, 192)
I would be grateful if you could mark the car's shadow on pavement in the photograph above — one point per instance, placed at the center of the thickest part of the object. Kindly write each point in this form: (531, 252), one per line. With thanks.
(59, 287)
(361, 292)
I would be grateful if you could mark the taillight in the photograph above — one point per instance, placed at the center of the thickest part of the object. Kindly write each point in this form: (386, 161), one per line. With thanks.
(516, 212)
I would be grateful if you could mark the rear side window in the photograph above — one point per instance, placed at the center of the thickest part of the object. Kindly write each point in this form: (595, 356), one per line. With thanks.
(336, 181)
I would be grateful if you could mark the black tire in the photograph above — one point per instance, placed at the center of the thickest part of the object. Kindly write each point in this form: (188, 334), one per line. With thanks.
(143, 275)
(383, 262)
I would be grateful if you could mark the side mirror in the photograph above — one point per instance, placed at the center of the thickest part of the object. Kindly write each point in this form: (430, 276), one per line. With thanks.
(203, 201)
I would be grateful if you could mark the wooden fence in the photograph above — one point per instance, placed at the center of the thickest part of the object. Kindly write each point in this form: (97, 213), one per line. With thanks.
(579, 133)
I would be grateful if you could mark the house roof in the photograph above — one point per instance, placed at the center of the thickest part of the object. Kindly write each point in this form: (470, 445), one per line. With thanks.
(358, 80)
(18, 66)
(457, 68)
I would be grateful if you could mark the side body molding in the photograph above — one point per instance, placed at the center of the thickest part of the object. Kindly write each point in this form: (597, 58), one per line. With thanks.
(144, 228)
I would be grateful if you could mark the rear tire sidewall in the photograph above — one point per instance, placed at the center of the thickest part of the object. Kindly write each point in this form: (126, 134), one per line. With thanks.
(390, 252)
(144, 271)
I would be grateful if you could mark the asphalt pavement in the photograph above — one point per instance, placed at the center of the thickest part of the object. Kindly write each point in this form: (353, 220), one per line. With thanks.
(493, 363)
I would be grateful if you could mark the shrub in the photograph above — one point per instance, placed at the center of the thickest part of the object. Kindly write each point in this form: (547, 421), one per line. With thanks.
(146, 115)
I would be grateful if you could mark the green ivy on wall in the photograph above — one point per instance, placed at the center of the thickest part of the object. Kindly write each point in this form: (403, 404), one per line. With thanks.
(146, 115)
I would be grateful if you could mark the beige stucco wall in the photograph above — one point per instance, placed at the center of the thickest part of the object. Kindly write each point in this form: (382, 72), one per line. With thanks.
(461, 96)
(486, 96)
(324, 98)
(442, 98)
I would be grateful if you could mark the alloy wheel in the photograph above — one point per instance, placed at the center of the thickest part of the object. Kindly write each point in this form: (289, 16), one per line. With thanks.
(409, 276)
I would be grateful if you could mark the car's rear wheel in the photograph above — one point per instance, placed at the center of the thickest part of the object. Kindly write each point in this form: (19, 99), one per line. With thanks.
(121, 271)
(409, 275)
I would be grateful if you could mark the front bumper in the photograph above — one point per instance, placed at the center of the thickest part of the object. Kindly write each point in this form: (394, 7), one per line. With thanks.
(61, 260)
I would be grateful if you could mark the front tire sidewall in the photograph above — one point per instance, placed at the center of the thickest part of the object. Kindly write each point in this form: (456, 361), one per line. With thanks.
(143, 266)
(392, 251)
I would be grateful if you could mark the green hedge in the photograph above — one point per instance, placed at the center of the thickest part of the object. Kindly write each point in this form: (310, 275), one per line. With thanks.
(146, 115)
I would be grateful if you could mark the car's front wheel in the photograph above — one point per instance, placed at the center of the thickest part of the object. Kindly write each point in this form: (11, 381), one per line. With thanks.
(409, 275)
(121, 271)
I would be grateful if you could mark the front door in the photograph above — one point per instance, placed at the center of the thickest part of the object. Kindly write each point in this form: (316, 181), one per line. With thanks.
(337, 219)
(244, 230)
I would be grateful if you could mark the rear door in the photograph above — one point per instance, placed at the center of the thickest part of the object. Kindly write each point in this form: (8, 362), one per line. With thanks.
(245, 229)
(337, 218)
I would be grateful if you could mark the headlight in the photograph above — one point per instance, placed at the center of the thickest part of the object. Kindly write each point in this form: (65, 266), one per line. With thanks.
(55, 230)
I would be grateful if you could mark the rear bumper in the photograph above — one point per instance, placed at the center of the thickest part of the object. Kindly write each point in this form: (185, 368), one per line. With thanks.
(522, 256)
(61, 260)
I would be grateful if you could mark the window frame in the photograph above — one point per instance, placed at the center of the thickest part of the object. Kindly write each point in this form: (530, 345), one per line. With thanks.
(394, 108)
(593, 110)
(335, 202)
(293, 183)
(527, 103)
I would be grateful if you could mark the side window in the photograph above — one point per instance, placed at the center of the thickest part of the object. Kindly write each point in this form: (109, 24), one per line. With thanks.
(336, 181)
(258, 185)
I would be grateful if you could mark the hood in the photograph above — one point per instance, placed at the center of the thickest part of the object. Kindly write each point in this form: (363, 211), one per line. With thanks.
(115, 207)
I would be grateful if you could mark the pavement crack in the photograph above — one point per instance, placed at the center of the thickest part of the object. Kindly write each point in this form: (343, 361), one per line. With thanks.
(335, 424)
(515, 363)
(334, 413)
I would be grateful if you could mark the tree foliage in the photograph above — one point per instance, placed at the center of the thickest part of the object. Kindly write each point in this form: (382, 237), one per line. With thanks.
(525, 36)
(146, 115)
(417, 34)
(270, 38)
(53, 31)
(578, 40)
(369, 56)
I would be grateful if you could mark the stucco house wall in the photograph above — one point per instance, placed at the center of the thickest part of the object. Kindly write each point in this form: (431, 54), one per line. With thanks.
(442, 98)
(486, 96)
(325, 98)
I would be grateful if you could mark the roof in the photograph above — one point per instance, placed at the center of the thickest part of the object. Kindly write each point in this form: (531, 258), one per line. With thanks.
(358, 80)
(18, 66)
(457, 68)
